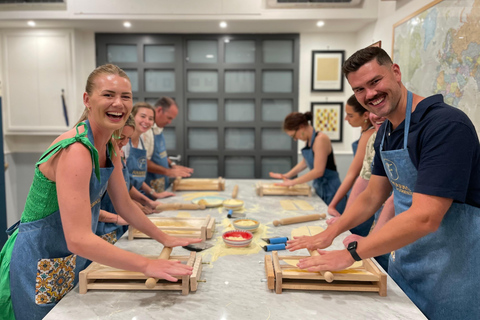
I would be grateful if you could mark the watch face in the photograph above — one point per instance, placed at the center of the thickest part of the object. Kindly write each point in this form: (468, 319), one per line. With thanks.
(352, 245)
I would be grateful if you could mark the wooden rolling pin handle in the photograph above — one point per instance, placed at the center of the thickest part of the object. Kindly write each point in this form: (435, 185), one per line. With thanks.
(235, 191)
(179, 206)
(308, 217)
(327, 275)
(165, 254)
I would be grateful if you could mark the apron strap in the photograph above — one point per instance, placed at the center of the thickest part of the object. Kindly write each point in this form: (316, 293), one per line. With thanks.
(79, 137)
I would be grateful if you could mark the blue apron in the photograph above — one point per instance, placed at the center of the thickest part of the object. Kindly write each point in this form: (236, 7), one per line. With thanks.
(111, 232)
(159, 182)
(137, 165)
(327, 185)
(438, 272)
(355, 147)
(42, 269)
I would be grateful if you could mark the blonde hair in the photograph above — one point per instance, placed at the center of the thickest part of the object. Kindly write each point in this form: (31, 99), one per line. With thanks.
(102, 70)
(130, 121)
(140, 105)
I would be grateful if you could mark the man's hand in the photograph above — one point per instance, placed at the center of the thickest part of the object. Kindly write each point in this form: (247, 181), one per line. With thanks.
(351, 238)
(327, 261)
(318, 241)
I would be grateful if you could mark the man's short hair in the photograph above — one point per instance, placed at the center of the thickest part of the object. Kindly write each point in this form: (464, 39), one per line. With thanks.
(165, 103)
(363, 56)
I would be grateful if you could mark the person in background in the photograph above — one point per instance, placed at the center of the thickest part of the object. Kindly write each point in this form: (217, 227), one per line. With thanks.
(387, 211)
(317, 156)
(111, 226)
(55, 238)
(159, 167)
(429, 154)
(357, 116)
(136, 154)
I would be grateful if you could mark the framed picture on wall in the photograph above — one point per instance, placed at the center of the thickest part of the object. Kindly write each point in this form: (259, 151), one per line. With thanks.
(328, 118)
(327, 70)
(376, 44)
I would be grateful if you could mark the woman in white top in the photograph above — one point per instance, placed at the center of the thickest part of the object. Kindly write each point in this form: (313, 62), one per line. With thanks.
(135, 152)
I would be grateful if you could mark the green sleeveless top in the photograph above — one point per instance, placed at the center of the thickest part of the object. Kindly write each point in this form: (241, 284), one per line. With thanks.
(42, 198)
(41, 202)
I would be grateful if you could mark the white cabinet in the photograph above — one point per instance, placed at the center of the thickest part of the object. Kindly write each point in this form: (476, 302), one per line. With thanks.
(37, 66)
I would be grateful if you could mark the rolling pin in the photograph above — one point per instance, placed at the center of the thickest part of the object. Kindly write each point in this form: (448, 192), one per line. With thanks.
(165, 254)
(327, 275)
(235, 191)
(308, 217)
(180, 206)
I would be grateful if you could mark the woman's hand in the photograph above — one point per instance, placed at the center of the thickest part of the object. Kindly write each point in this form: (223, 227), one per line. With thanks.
(164, 194)
(275, 175)
(332, 220)
(333, 211)
(170, 241)
(121, 222)
(287, 183)
(166, 269)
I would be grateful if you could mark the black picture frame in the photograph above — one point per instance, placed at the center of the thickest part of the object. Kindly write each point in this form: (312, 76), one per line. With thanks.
(327, 73)
(328, 118)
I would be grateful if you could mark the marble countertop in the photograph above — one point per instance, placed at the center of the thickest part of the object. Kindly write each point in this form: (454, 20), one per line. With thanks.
(235, 286)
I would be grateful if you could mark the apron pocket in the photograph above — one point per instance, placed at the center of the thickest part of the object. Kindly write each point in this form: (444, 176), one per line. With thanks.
(55, 278)
(110, 237)
(158, 184)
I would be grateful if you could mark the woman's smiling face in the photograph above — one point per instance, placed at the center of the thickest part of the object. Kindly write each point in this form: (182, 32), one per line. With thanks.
(110, 102)
(144, 119)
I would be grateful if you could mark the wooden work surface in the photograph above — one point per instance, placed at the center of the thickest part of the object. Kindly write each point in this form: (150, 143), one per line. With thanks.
(236, 285)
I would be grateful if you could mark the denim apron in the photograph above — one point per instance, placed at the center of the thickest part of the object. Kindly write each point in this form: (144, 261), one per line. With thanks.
(42, 269)
(111, 232)
(159, 182)
(327, 185)
(137, 165)
(355, 147)
(438, 272)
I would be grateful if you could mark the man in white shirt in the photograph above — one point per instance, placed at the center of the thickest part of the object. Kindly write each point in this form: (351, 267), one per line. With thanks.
(159, 167)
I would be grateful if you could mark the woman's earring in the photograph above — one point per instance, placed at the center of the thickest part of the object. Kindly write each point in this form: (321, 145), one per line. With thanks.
(365, 120)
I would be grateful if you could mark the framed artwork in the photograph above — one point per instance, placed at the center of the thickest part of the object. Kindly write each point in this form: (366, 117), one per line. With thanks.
(376, 44)
(327, 70)
(328, 118)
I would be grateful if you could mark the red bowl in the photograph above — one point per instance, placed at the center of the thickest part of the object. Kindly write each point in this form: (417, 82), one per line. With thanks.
(246, 235)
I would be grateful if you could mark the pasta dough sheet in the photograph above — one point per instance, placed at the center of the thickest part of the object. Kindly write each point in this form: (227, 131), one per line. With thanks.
(303, 205)
(288, 205)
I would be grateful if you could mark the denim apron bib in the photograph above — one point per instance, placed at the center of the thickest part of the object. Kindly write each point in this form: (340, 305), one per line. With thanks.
(355, 147)
(438, 272)
(137, 165)
(42, 269)
(159, 182)
(327, 185)
(111, 232)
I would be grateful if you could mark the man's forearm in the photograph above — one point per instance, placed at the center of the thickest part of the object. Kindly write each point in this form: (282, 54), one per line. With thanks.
(152, 167)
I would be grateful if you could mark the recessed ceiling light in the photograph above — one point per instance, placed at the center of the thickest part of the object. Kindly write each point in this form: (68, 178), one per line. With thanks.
(223, 24)
(320, 23)
(127, 24)
(227, 40)
(31, 23)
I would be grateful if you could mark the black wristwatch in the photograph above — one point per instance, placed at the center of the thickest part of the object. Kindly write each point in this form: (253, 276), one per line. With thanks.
(352, 248)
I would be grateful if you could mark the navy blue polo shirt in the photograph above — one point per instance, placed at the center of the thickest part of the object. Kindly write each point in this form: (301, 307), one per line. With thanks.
(443, 145)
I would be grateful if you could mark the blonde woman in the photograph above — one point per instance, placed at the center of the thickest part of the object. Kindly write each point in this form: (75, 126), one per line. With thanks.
(55, 237)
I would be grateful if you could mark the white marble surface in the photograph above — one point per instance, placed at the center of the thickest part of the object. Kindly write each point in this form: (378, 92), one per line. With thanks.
(235, 286)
